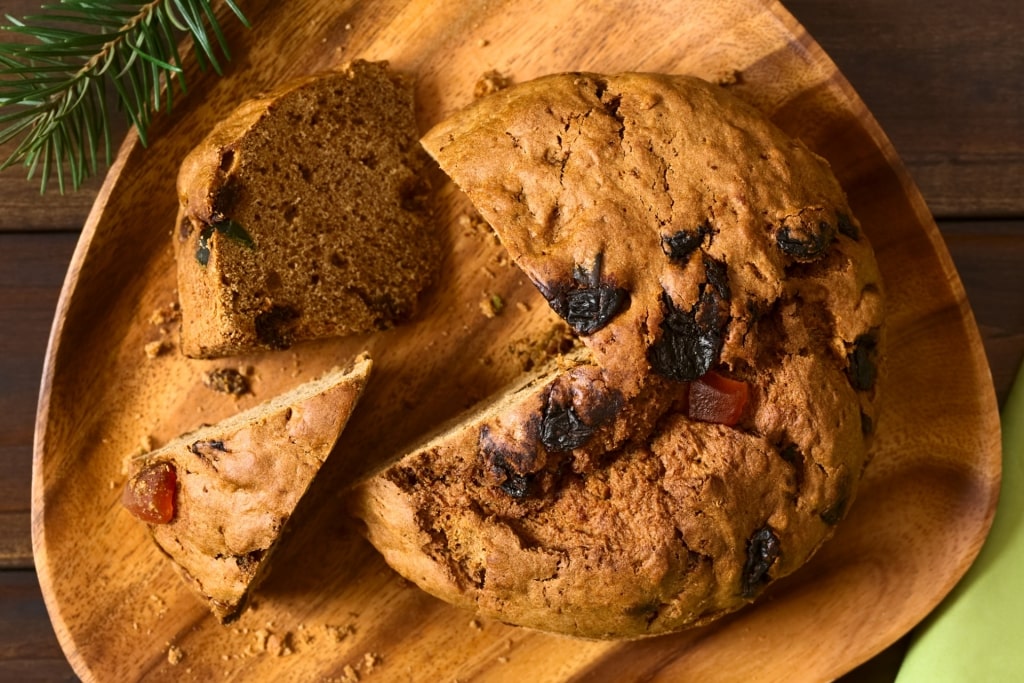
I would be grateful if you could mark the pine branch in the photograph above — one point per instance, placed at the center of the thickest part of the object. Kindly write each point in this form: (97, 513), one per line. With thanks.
(53, 89)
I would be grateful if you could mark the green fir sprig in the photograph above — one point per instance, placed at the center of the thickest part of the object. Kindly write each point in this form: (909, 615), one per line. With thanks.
(54, 87)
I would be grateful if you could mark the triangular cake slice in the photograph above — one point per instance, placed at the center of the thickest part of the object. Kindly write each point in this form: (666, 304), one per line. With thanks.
(217, 499)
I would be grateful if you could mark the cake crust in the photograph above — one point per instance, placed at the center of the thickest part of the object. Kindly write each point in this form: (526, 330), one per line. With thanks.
(681, 235)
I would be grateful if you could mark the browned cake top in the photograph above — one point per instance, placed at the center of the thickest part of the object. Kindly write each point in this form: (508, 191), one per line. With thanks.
(702, 256)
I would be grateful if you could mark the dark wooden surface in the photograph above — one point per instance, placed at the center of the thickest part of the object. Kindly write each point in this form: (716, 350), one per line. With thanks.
(943, 78)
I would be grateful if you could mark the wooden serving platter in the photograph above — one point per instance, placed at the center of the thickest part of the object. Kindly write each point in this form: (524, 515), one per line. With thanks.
(331, 609)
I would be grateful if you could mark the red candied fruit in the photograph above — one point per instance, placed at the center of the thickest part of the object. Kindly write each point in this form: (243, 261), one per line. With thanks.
(715, 398)
(149, 495)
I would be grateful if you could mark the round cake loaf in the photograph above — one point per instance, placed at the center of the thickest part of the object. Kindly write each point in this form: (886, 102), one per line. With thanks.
(713, 430)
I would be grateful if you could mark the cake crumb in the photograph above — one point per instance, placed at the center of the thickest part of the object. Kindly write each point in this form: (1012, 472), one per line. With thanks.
(349, 675)
(536, 350)
(729, 78)
(491, 82)
(262, 635)
(165, 315)
(279, 645)
(492, 305)
(156, 348)
(483, 42)
(370, 661)
(174, 655)
(473, 222)
(503, 659)
(339, 633)
(475, 625)
(227, 381)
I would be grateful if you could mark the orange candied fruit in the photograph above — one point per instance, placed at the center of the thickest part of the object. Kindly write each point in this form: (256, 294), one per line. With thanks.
(716, 398)
(149, 495)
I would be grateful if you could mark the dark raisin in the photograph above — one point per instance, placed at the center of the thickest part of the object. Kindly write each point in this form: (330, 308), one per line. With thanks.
(804, 242)
(862, 370)
(227, 381)
(587, 303)
(679, 246)
(226, 227)
(203, 245)
(867, 425)
(248, 562)
(791, 454)
(847, 226)
(561, 428)
(717, 276)
(201, 447)
(762, 551)
(794, 457)
(516, 485)
(512, 469)
(274, 326)
(225, 198)
(835, 512)
(691, 342)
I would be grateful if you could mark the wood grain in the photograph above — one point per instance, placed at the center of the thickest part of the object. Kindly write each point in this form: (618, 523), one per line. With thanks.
(989, 258)
(32, 270)
(24, 207)
(29, 651)
(101, 397)
(942, 79)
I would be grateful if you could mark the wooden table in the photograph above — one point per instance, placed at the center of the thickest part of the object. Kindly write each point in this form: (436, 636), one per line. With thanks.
(942, 78)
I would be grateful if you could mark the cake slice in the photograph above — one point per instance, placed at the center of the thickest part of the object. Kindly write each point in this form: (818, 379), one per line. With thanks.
(302, 216)
(217, 499)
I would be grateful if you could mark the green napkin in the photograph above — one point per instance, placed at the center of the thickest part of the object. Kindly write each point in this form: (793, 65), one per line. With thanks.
(977, 633)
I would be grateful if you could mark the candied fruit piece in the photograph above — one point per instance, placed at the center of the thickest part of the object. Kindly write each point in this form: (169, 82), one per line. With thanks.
(149, 495)
(715, 398)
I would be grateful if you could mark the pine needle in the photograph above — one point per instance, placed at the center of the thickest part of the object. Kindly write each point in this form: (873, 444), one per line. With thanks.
(53, 87)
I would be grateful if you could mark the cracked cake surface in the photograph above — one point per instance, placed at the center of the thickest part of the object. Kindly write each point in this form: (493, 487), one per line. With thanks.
(697, 251)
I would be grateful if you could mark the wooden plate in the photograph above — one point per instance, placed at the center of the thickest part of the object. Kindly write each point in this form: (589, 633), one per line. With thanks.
(331, 608)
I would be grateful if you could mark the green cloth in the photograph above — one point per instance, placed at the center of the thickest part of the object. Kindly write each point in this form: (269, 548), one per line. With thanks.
(977, 633)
